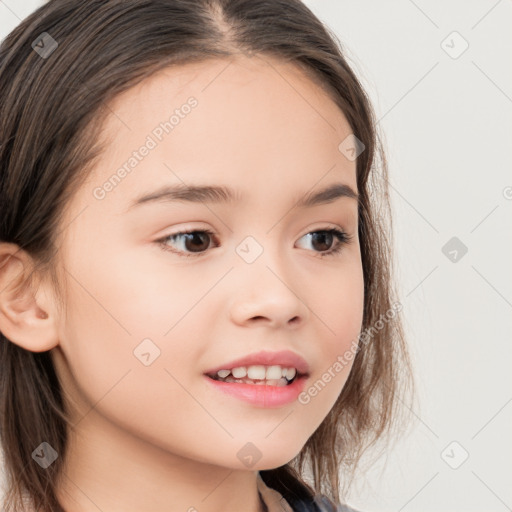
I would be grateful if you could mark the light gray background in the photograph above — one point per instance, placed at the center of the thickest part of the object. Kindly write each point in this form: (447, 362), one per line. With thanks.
(447, 122)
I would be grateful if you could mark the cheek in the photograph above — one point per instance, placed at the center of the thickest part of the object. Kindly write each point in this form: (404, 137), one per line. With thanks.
(152, 293)
(339, 306)
(120, 321)
(106, 374)
(339, 309)
(129, 330)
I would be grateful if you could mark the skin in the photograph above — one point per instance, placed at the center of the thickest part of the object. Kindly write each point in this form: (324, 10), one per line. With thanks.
(159, 437)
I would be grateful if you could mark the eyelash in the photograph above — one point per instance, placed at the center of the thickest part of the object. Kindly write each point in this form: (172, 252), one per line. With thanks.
(342, 237)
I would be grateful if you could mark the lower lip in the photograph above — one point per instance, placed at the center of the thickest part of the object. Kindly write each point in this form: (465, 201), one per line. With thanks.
(262, 395)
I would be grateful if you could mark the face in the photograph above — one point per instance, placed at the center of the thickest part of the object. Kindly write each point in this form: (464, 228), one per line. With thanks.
(150, 311)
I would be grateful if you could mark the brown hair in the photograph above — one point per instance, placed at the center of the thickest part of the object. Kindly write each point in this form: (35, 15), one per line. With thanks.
(52, 109)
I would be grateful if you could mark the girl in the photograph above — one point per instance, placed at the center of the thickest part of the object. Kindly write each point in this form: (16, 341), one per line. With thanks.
(138, 371)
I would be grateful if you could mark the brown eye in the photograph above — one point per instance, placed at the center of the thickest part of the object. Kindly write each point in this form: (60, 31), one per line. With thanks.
(323, 239)
(193, 242)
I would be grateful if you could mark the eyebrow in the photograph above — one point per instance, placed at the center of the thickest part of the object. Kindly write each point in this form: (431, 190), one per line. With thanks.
(223, 194)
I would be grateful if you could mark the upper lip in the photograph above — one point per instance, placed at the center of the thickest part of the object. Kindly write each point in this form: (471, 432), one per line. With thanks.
(283, 358)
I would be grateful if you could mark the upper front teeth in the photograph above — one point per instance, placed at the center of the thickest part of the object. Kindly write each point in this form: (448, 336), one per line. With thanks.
(259, 372)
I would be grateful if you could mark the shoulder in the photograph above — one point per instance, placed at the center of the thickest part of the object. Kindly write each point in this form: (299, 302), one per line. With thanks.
(298, 496)
(324, 504)
(320, 503)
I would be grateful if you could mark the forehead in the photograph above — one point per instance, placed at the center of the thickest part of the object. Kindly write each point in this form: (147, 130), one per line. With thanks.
(253, 122)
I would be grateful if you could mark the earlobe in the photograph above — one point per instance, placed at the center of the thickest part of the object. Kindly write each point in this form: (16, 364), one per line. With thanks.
(25, 315)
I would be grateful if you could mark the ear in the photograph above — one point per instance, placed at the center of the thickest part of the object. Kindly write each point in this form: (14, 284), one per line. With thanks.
(26, 314)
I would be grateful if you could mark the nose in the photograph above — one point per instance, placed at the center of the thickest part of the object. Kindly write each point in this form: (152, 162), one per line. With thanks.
(265, 293)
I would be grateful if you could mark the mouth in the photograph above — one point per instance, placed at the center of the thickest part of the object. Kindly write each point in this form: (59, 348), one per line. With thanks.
(260, 386)
(259, 375)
